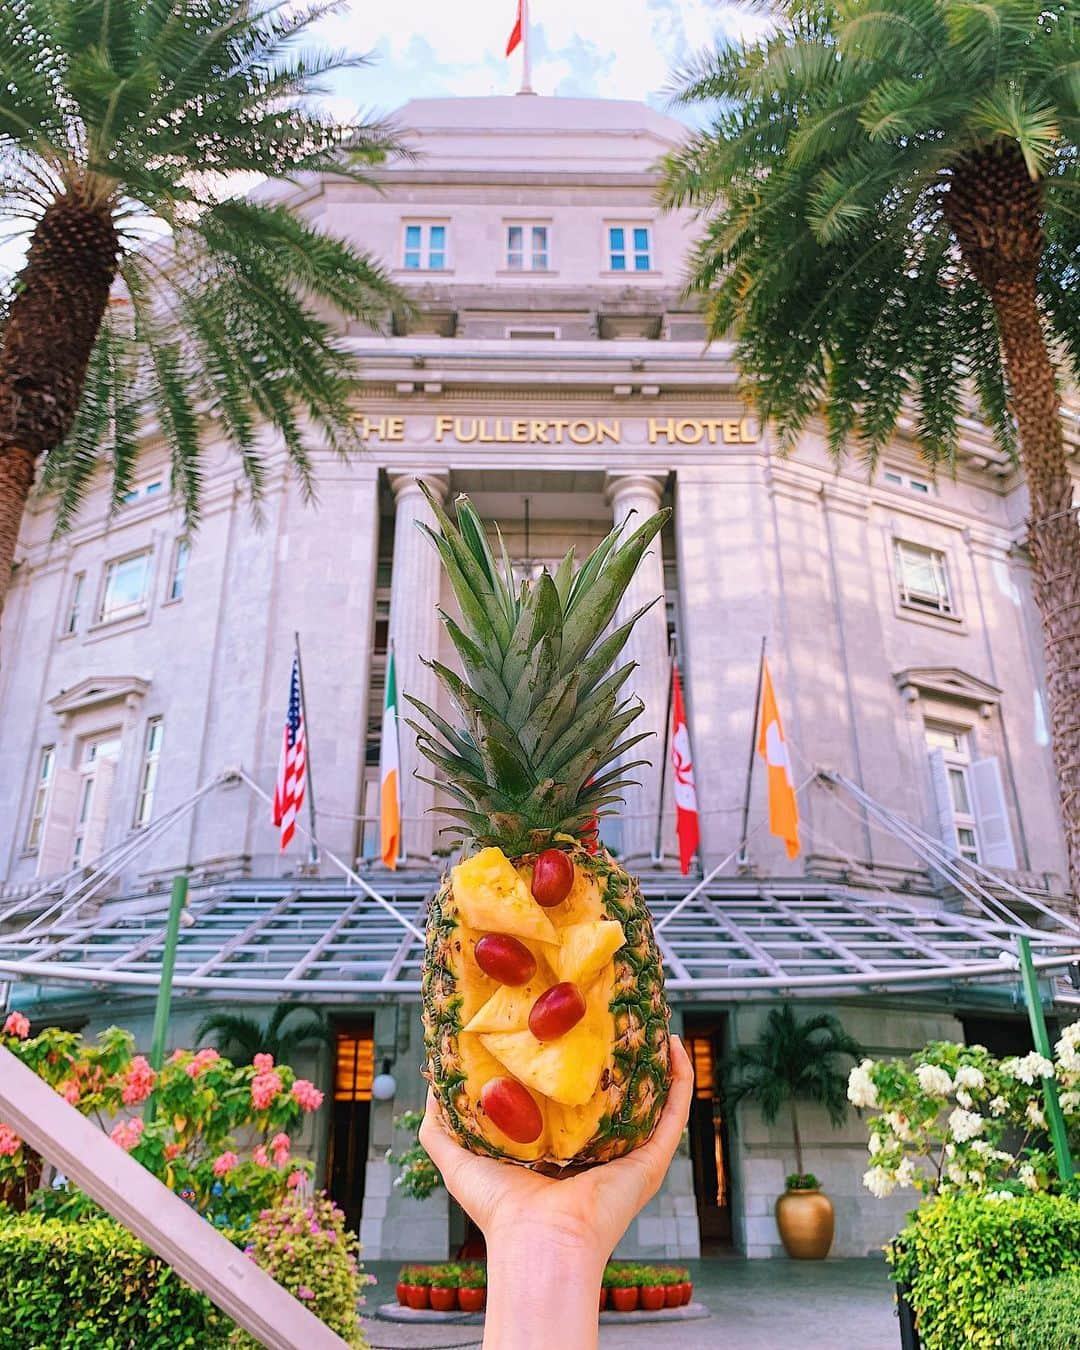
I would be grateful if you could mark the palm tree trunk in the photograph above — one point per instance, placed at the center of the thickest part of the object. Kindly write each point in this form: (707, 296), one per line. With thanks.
(60, 298)
(996, 211)
(797, 1137)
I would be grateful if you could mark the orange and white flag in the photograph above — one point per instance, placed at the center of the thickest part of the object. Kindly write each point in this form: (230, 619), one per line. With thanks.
(389, 774)
(783, 808)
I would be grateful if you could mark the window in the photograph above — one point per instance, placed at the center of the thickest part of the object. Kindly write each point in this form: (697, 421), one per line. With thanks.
(956, 763)
(527, 248)
(923, 578)
(78, 586)
(895, 478)
(425, 248)
(124, 592)
(151, 489)
(144, 807)
(41, 799)
(629, 248)
(179, 569)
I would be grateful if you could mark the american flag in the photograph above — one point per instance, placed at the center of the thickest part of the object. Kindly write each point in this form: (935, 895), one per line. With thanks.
(292, 767)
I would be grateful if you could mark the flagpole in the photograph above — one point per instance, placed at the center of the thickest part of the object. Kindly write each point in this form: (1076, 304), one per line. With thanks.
(309, 792)
(741, 860)
(657, 853)
(526, 52)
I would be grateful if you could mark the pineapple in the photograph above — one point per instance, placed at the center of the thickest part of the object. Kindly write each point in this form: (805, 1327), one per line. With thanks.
(545, 1021)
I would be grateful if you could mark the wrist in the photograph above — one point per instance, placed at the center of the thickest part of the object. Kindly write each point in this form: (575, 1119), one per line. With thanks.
(543, 1287)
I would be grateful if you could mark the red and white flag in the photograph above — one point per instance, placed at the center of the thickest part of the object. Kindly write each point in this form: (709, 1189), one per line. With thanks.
(518, 29)
(292, 767)
(682, 771)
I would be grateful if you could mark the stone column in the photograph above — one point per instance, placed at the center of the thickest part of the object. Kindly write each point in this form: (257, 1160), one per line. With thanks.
(415, 632)
(648, 646)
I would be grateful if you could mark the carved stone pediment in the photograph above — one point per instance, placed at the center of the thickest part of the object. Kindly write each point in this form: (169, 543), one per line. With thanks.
(99, 689)
(947, 682)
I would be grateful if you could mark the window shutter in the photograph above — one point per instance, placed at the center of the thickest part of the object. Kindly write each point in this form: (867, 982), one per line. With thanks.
(94, 839)
(939, 777)
(995, 832)
(54, 855)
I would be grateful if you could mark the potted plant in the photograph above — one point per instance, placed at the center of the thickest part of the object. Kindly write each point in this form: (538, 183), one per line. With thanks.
(670, 1277)
(418, 1293)
(404, 1280)
(687, 1285)
(623, 1284)
(652, 1290)
(444, 1288)
(472, 1289)
(795, 1060)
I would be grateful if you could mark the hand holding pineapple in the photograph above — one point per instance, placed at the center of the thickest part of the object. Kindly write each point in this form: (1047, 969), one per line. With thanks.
(544, 1010)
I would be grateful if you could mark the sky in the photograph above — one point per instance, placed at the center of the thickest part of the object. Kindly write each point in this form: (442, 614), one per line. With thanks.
(584, 48)
(442, 48)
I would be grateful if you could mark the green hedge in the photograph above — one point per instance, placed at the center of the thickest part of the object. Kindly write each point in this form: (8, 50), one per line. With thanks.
(1045, 1314)
(957, 1253)
(92, 1286)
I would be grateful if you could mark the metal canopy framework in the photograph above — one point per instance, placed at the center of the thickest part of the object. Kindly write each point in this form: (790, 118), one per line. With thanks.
(334, 943)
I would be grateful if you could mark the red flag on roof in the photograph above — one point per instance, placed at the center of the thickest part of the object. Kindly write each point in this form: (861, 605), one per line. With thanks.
(515, 36)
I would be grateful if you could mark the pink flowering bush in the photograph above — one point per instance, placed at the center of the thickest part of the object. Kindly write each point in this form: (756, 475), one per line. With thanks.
(305, 1246)
(221, 1134)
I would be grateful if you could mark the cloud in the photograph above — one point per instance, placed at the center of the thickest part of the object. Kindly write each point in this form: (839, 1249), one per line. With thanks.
(431, 48)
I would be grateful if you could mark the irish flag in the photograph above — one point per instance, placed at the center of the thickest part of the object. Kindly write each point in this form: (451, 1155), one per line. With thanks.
(389, 775)
(783, 808)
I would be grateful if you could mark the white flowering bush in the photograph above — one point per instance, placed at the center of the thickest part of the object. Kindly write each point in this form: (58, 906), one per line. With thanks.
(954, 1119)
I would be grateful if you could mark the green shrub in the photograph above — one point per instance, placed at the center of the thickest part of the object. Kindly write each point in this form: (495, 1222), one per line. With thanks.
(1045, 1314)
(93, 1286)
(958, 1251)
(306, 1248)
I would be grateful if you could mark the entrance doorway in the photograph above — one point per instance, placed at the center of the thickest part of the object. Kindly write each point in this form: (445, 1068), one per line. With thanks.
(704, 1037)
(346, 1163)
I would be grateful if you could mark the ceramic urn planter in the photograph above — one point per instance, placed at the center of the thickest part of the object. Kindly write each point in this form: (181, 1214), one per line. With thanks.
(806, 1222)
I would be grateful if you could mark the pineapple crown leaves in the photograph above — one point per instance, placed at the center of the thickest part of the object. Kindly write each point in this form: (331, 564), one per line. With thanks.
(540, 703)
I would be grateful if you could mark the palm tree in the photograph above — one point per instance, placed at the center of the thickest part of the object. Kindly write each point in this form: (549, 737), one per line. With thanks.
(241, 1038)
(148, 294)
(789, 1061)
(891, 205)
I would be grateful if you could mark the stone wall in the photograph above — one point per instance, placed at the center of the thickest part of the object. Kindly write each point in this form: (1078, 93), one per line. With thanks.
(762, 1156)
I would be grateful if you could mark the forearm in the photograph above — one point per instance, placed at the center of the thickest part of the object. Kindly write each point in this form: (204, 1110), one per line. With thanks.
(543, 1292)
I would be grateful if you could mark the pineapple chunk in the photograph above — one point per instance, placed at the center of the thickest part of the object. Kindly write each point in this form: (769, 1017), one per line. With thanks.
(571, 1127)
(587, 948)
(509, 1007)
(479, 1066)
(580, 906)
(568, 1069)
(491, 896)
(473, 987)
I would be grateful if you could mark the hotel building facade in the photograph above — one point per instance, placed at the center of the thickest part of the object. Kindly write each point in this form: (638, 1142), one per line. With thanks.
(555, 372)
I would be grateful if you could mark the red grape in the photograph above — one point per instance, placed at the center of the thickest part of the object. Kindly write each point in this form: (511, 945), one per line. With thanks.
(554, 1013)
(505, 959)
(511, 1109)
(553, 876)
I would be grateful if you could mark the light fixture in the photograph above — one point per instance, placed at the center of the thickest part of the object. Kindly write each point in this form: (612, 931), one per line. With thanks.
(385, 1084)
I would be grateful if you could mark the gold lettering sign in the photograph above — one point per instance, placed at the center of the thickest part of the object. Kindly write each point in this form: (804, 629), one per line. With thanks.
(555, 430)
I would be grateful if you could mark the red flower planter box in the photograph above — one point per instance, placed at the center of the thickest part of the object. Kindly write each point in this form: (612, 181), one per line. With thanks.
(673, 1296)
(472, 1300)
(687, 1291)
(418, 1296)
(625, 1300)
(652, 1297)
(444, 1300)
(403, 1294)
